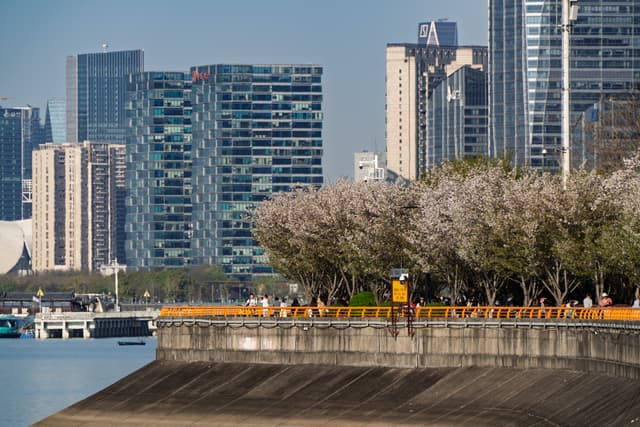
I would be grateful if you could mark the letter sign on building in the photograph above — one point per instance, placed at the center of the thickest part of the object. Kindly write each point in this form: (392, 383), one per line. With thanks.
(195, 76)
(424, 30)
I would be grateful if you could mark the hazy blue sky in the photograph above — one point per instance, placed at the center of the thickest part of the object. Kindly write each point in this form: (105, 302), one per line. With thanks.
(347, 37)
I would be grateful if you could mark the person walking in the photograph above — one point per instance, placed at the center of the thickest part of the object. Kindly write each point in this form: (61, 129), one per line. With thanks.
(283, 307)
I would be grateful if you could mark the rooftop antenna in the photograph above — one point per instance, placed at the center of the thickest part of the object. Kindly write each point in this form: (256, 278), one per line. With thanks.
(105, 47)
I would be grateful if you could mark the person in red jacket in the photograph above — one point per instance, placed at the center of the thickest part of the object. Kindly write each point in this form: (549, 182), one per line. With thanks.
(606, 300)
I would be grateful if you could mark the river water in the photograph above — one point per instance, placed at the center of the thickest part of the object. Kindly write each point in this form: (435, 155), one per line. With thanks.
(41, 377)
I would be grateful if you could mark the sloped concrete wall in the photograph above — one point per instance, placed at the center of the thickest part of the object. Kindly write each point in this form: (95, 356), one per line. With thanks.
(607, 351)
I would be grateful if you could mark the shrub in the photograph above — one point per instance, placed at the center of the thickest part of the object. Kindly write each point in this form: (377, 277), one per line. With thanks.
(363, 299)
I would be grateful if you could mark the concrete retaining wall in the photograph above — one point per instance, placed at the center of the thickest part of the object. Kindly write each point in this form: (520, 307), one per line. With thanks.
(610, 352)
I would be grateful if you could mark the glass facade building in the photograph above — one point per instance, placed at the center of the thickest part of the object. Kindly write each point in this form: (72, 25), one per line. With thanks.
(257, 130)
(20, 134)
(526, 75)
(458, 117)
(158, 219)
(55, 121)
(96, 85)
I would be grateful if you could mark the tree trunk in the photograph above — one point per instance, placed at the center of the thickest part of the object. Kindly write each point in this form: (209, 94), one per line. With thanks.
(530, 291)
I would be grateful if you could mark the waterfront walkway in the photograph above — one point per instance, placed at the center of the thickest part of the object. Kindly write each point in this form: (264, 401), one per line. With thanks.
(428, 312)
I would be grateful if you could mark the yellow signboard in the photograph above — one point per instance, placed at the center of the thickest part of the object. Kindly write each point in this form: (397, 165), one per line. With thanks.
(400, 291)
(146, 294)
(39, 294)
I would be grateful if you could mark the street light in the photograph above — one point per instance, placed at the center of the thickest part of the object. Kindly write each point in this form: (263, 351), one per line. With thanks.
(569, 15)
(115, 266)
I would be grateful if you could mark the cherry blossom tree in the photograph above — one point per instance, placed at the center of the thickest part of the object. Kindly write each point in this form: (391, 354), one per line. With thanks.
(473, 226)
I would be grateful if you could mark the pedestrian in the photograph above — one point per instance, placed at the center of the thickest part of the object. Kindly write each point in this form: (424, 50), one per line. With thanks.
(265, 305)
(606, 300)
(252, 301)
(587, 302)
(509, 302)
(543, 304)
(321, 307)
(283, 307)
(276, 303)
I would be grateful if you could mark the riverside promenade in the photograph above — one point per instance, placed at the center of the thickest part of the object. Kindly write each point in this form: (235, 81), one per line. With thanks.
(444, 370)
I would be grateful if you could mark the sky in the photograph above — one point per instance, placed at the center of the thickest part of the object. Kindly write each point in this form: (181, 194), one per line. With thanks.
(347, 37)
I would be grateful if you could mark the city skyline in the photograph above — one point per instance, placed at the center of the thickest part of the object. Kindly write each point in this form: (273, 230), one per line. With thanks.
(347, 39)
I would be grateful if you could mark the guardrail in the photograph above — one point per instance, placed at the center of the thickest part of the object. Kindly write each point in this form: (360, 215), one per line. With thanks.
(578, 313)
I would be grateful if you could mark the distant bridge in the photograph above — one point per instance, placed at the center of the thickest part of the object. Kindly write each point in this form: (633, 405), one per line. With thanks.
(80, 324)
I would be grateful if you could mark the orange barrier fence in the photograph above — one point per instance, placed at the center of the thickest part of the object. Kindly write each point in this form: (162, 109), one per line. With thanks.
(610, 313)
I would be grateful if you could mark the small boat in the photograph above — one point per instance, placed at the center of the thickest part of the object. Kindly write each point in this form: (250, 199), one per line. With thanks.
(12, 326)
(132, 342)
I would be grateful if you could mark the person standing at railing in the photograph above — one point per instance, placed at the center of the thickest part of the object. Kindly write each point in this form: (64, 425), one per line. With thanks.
(636, 302)
(251, 303)
(321, 308)
(283, 307)
(543, 304)
(265, 306)
(587, 302)
(606, 300)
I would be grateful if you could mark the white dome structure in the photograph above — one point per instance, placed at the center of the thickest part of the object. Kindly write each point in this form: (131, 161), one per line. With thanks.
(15, 241)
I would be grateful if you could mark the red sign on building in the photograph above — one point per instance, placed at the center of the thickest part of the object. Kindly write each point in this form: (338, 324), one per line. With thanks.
(195, 76)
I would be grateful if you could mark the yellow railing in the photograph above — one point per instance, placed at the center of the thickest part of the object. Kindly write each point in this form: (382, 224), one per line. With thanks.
(610, 313)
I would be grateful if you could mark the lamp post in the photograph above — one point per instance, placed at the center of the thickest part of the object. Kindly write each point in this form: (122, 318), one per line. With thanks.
(114, 264)
(569, 14)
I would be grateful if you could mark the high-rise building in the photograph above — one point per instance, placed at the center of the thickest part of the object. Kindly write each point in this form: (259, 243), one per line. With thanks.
(257, 130)
(458, 117)
(78, 198)
(55, 121)
(525, 82)
(20, 133)
(158, 225)
(97, 93)
(413, 71)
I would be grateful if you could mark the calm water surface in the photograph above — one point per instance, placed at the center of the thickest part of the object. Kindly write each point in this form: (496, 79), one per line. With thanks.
(41, 377)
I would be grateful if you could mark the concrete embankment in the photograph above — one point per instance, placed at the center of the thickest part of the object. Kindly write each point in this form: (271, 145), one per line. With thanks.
(237, 394)
(613, 352)
(335, 374)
